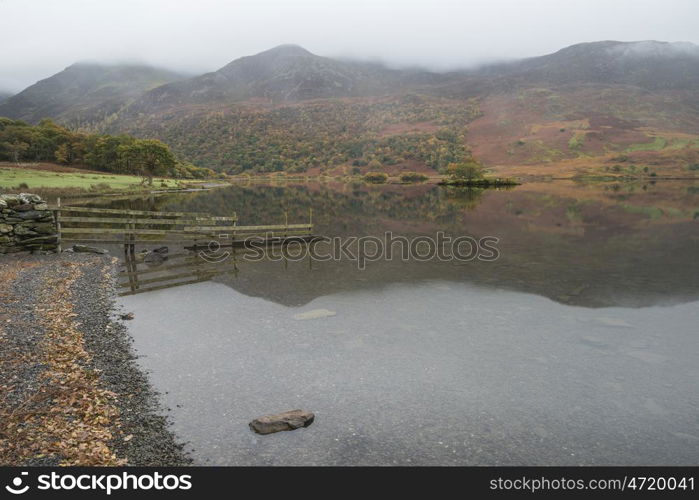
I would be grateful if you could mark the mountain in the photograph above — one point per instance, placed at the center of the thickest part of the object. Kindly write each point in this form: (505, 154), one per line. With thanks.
(646, 64)
(599, 104)
(84, 93)
(288, 109)
(286, 73)
(626, 108)
(5, 95)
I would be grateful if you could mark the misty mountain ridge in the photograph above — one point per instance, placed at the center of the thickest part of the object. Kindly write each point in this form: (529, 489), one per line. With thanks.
(287, 73)
(648, 64)
(88, 91)
(85, 92)
(289, 109)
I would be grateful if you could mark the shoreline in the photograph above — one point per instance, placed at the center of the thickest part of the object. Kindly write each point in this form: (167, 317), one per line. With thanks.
(73, 393)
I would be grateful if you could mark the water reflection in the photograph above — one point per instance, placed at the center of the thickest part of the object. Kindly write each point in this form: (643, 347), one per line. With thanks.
(442, 362)
(594, 245)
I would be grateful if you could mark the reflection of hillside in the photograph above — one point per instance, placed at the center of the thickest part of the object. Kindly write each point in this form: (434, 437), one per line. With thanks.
(338, 208)
(592, 245)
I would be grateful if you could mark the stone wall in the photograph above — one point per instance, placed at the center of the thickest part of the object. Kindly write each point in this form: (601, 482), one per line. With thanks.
(26, 224)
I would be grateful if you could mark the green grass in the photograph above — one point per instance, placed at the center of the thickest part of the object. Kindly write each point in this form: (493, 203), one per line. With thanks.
(657, 144)
(11, 177)
(683, 143)
(577, 141)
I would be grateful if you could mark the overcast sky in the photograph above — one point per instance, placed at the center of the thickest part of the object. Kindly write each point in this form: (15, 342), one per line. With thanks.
(41, 37)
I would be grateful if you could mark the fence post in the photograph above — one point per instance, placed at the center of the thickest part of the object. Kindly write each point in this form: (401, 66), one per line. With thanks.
(58, 223)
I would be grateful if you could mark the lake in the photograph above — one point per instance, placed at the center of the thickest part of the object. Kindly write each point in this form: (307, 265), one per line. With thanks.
(578, 344)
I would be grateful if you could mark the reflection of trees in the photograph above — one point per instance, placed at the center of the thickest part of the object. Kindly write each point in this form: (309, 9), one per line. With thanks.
(341, 206)
(620, 258)
(467, 198)
(338, 208)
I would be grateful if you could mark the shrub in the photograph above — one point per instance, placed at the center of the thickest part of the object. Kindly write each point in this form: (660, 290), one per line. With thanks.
(376, 177)
(413, 177)
(465, 171)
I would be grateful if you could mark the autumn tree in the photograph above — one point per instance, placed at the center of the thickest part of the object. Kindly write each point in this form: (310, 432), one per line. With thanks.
(104, 152)
(147, 158)
(15, 149)
(465, 171)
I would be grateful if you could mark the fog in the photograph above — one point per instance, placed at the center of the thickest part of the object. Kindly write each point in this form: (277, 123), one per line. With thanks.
(41, 37)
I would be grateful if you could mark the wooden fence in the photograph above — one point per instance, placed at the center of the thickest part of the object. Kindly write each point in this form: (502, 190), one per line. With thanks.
(189, 230)
(188, 269)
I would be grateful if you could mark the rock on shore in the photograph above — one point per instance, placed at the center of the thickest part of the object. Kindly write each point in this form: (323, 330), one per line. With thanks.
(287, 421)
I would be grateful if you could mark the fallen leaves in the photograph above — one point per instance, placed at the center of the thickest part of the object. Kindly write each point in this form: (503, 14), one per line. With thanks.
(70, 416)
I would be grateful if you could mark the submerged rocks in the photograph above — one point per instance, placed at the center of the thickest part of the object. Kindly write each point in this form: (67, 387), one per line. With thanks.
(26, 223)
(156, 255)
(153, 257)
(287, 421)
(314, 314)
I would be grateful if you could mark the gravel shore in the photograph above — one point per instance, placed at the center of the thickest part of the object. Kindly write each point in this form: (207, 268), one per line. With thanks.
(139, 431)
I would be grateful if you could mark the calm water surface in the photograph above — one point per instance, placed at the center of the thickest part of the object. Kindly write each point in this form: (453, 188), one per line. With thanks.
(579, 345)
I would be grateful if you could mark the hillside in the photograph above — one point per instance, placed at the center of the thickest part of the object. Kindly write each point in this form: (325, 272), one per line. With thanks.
(287, 73)
(5, 95)
(84, 94)
(647, 64)
(617, 108)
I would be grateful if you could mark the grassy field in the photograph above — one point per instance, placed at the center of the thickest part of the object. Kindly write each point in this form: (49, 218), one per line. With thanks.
(18, 177)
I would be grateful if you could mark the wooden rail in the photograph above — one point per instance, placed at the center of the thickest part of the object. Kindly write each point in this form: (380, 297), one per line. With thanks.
(196, 267)
(131, 223)
(161, 222)
(128, 212)
(191, 230)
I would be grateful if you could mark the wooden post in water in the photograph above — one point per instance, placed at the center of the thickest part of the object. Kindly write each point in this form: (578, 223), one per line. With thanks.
(310, 241)
(127, 259)
(126, 243)
(286, 235)
(58, 223)
(235, 231)
(132, 251)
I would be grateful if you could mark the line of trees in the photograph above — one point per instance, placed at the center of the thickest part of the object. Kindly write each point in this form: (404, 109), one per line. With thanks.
(122, 154)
